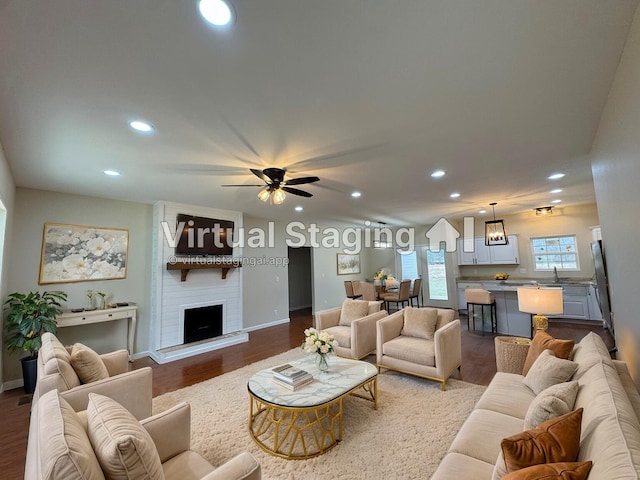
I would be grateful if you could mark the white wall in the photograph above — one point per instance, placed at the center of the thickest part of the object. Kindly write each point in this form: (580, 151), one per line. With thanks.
(7, 195)
(265, 284)
(34, 208)
(616, 175)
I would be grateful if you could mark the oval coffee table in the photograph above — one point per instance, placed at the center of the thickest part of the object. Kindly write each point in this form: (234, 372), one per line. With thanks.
(308, 421)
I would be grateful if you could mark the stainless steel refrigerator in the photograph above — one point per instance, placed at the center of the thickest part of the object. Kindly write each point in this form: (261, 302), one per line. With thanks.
(602, 283)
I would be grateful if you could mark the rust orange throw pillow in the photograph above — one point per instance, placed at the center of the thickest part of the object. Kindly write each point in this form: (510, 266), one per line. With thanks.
(543, 341)
(552, 471)
(556, 440)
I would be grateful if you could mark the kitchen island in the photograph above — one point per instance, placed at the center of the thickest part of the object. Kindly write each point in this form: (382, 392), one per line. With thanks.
(579, 299)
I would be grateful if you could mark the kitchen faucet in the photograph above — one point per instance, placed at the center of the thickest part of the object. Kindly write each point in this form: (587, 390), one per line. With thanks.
(555, 274)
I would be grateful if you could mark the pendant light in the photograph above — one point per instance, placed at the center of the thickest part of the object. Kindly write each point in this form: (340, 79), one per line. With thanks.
(494, 231)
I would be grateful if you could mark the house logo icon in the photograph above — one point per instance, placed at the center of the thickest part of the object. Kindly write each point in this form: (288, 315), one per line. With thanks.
(442, 231)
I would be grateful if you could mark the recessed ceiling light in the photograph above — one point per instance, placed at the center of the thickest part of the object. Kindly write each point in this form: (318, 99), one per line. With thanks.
(555, 176)
(557, 200)
(438, 174)
(112, 173)
(141, 126)
(298, 208)
(482, 212)
(356, 194)
(216, 12)
(556, 190)
(454, 195)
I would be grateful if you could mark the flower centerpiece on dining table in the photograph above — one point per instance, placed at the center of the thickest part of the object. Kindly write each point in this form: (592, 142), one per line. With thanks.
(320, 343)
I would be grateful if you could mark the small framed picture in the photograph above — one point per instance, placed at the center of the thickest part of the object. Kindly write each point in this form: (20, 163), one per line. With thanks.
(348, 264)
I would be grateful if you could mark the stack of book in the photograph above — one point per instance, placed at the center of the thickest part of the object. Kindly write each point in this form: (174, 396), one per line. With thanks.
(291, 377)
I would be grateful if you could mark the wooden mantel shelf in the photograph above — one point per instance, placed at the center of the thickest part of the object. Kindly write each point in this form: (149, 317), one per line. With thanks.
(185, 267)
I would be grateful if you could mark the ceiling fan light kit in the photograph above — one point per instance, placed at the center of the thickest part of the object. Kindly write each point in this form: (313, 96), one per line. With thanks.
(275, 188)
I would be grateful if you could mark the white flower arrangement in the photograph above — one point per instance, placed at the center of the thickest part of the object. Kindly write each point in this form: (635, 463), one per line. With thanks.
(318, 342)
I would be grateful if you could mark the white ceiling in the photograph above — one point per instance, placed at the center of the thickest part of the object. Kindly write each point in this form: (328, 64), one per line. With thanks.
(369, 95)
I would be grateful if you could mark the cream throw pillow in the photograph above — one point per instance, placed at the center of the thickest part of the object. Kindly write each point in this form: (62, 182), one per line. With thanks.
(548, 370)
(68, 453)
(352, 310)
(87, 363)
(420, 322)
(551, 403)
(124, 448)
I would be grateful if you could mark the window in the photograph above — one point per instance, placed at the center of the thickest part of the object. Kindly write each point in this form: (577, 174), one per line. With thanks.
(437, 275)
(409, 265)
(558, 252)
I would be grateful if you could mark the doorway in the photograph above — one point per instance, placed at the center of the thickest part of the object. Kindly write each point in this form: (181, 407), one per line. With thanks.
(300, 278)
(437, 273)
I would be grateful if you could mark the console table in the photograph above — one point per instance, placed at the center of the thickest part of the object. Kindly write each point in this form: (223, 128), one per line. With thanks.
(72, 319)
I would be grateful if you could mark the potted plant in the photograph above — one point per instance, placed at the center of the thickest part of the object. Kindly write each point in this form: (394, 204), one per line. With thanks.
(27, 318)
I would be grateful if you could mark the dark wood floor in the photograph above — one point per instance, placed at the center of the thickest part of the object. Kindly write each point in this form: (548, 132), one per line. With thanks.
(478, 366)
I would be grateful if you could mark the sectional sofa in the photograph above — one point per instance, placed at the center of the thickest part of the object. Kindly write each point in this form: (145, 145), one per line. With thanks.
(610, 428)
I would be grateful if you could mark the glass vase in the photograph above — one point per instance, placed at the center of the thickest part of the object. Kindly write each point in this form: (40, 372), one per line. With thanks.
(321, 362)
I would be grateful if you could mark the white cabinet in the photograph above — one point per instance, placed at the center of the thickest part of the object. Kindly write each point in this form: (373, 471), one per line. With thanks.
(493, 255)
(505, 254)
(577, 303)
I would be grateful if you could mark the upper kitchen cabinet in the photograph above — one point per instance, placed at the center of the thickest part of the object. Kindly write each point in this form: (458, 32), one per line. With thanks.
(493, 255)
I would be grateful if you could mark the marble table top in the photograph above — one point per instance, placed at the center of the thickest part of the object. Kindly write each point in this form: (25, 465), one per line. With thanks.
(343, 376)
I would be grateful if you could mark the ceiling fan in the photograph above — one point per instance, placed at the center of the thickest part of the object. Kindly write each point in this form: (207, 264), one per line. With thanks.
(275, 184)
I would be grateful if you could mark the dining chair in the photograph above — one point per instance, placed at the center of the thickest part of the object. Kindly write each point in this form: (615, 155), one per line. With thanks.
(415, 292)
(400, 297)
(368, 291)
(348, 287)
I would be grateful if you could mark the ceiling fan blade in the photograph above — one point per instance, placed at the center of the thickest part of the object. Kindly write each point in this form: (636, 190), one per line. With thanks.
(243, 185)
(259, 174)
(302, 180)
(297, 191)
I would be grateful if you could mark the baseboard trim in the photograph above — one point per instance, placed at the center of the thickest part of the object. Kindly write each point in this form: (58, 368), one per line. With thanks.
(139, 355)
(266, 325)
(13, 384)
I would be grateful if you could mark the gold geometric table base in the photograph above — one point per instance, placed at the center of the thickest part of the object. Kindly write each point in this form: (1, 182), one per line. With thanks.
(297, 433)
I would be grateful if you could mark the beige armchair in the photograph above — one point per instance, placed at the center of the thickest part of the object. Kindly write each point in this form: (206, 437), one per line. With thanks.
(353, 325)
(425, 342)
(59, 445)
(132, 389)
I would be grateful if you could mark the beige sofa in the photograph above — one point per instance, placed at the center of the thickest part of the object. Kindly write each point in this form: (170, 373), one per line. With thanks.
(610, 429)
(434, 353)
(59, 447)
(356, 337)
(132, 389)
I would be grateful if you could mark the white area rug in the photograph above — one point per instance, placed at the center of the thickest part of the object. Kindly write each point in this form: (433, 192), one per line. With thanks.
(405, 438)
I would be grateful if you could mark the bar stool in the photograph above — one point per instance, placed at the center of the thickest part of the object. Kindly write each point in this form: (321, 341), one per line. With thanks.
(477, 296)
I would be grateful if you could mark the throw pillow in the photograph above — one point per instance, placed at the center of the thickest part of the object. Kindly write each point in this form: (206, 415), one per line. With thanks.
(543, 341)
(352, 310)
(556, 440)
(124, 448)
(552, 471)
(65, 450)
(87, 364)
(548, 370)
(551, 403)
(420, 322)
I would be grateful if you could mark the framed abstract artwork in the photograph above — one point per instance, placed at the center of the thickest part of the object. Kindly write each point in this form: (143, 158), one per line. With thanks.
(79, 253)
(348, 264)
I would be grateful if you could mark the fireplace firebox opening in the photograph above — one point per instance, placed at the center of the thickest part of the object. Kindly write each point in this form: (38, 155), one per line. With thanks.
(202, 323)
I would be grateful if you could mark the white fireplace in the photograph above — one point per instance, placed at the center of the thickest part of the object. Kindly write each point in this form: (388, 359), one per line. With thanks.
(171, 296)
